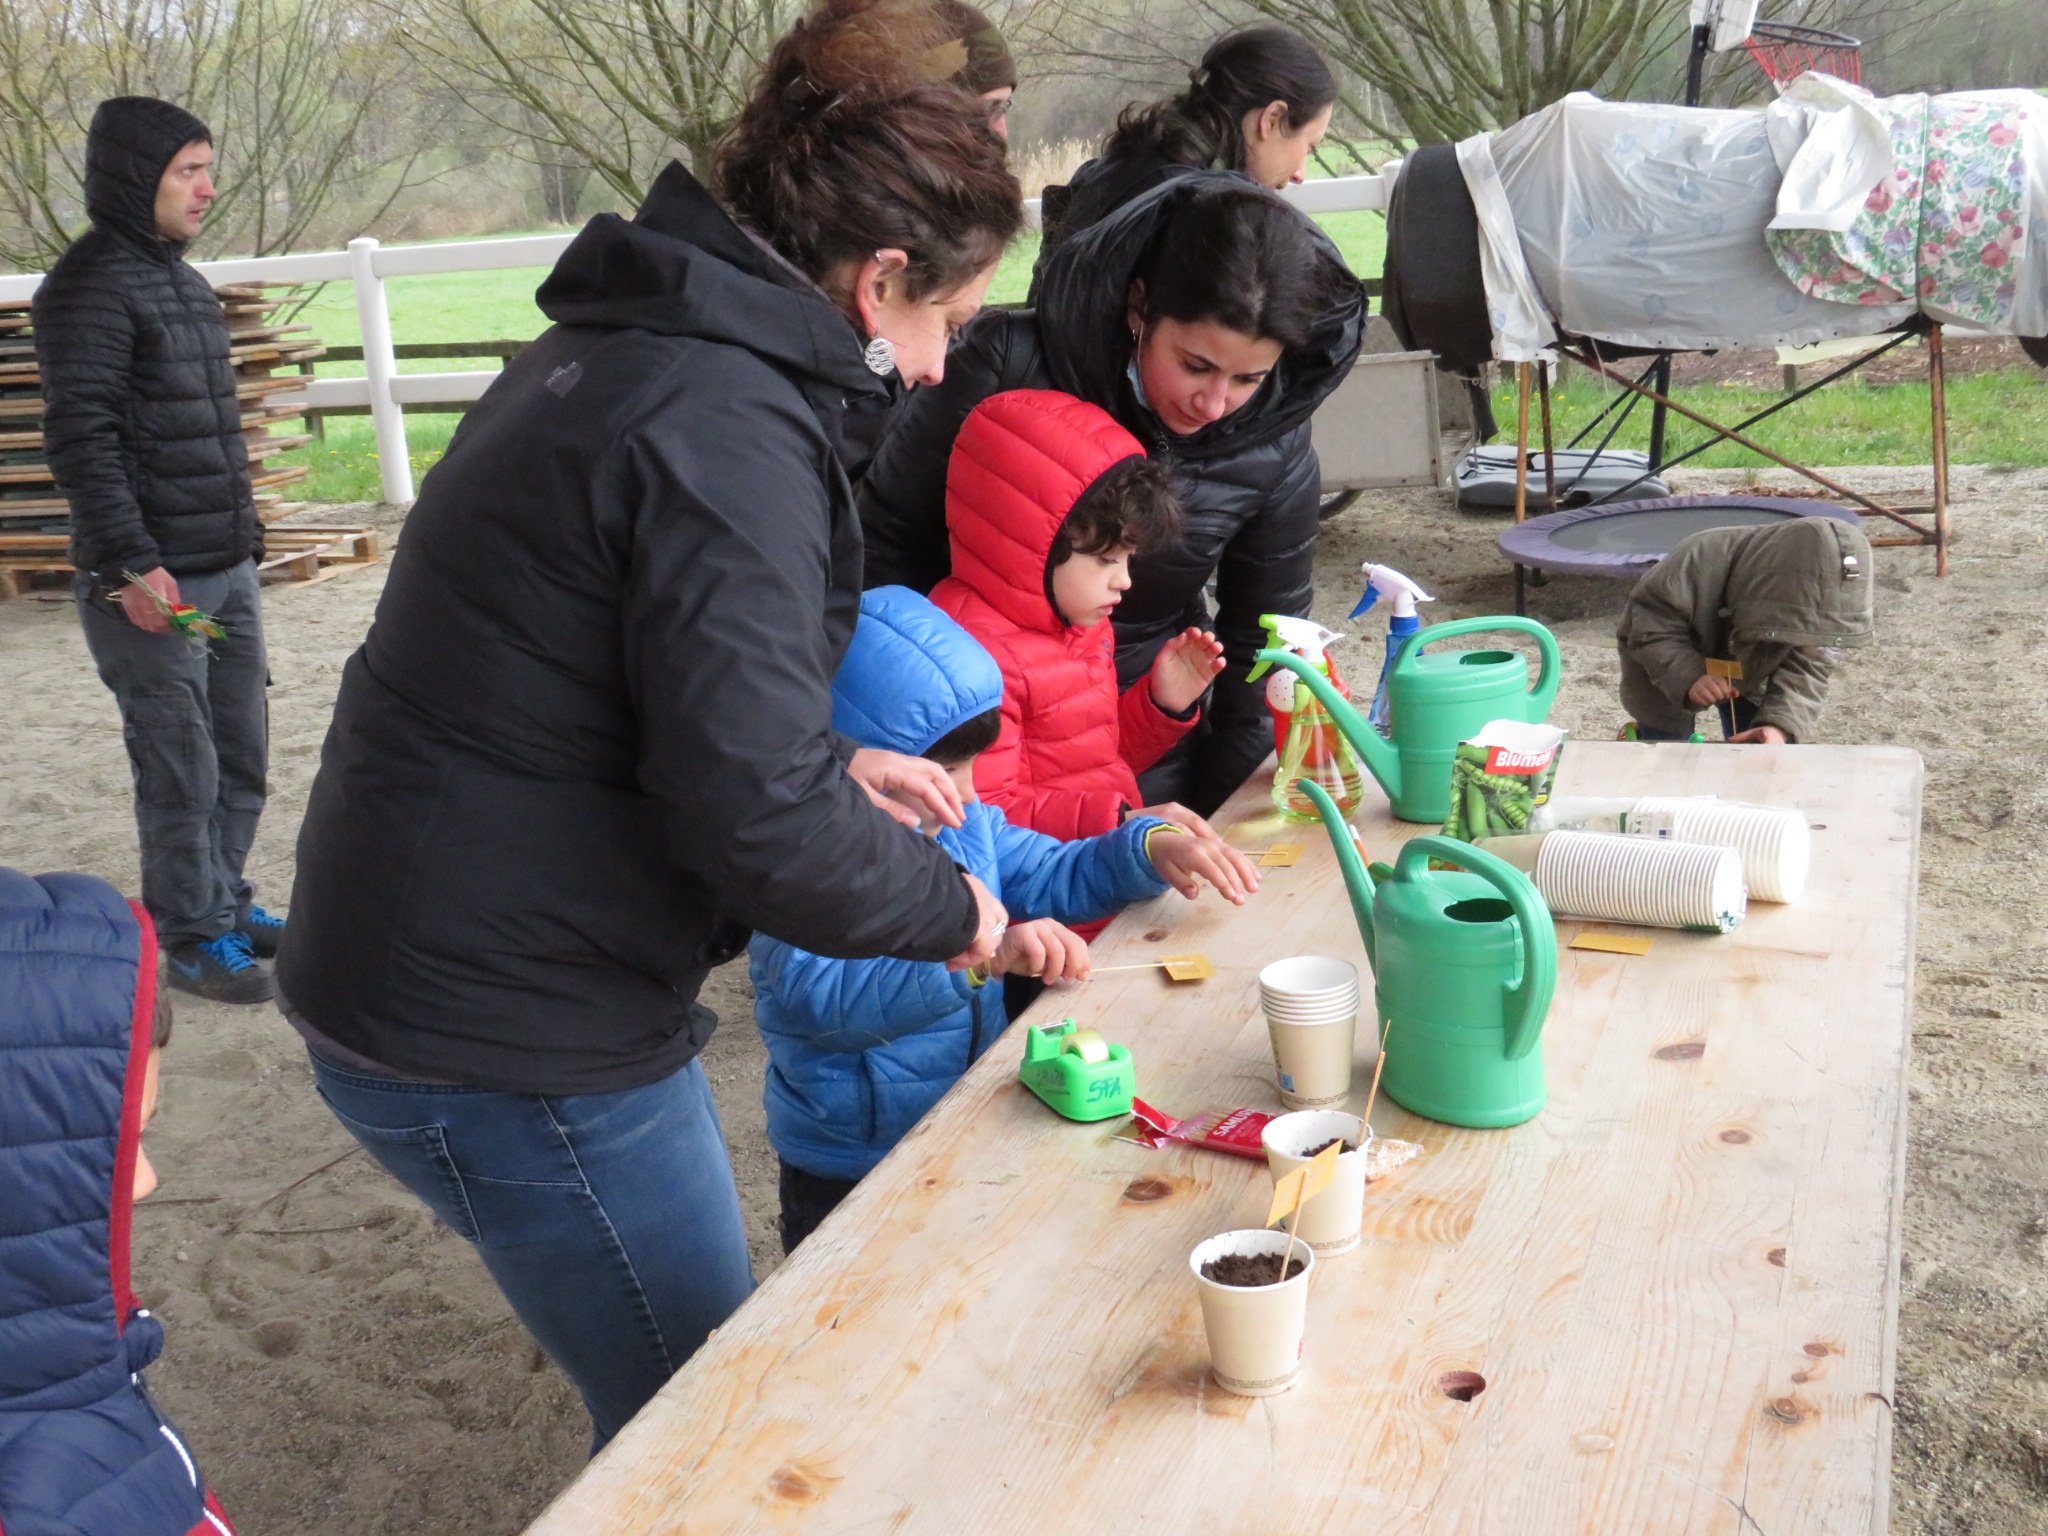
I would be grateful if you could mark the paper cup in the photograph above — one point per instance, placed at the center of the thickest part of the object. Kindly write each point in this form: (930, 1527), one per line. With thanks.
(1627, 879)
(1774, 841)
(1312, 1058)
(1255, 1331)
(1330, 1222)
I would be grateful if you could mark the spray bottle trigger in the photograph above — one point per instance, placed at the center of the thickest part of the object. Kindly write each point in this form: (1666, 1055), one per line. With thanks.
(1371, 596)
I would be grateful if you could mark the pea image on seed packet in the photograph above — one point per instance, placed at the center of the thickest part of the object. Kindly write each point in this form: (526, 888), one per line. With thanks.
(1499, 778)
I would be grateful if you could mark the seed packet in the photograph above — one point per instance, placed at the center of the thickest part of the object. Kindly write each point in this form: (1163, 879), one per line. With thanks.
(1500, 777)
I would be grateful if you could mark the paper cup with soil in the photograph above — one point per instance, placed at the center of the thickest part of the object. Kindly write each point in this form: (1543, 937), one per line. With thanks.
(1256, 1318)
(1332, 1219)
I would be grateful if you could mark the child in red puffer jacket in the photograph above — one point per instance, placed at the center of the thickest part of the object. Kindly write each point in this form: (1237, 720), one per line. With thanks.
(1047, 499)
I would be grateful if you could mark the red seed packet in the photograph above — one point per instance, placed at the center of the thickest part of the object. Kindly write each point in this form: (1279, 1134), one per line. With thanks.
(1221, 1130)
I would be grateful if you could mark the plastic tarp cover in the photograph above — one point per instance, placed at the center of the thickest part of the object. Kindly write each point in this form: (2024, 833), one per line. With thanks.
(1641, 225)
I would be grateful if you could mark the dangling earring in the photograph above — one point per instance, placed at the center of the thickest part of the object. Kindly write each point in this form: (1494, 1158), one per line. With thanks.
(880, 356)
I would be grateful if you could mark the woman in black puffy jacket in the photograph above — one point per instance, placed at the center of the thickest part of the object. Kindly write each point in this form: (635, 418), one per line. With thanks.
(1211, 320)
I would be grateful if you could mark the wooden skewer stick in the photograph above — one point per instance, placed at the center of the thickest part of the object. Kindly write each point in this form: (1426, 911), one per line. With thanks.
(1142, 965)
(1378, 1066)
(1293, 1221)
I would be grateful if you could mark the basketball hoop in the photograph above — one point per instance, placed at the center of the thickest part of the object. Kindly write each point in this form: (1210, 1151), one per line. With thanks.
(1785, 52)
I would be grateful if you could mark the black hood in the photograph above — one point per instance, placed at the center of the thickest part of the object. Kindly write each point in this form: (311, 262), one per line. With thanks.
(1082, 305)
(682, 267)
(127, 150)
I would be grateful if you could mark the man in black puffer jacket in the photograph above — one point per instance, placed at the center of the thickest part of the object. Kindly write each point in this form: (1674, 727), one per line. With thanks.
(143, 432)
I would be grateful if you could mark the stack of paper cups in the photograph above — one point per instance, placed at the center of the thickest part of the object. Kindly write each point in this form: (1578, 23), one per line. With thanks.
(1774, 842)
(1619, 879)
(1311, 1006)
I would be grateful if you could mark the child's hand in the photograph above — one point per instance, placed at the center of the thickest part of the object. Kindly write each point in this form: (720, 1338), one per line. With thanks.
(1184, 668)
(1710, 690)
(1181, 816)
(1184, 862)
(1043, 948)
(1762, 735)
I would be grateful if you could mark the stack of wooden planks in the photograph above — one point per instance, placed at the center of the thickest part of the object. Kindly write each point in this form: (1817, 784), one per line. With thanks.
(34, 519)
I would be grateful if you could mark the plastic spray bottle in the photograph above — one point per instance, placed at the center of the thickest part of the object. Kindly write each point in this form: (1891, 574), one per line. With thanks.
(1384, 581)
(1312, 747)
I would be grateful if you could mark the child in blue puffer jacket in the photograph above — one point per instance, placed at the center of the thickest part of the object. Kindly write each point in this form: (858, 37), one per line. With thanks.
(859, 1050)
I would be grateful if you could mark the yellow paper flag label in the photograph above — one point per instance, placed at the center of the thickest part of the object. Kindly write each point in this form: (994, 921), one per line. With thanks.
(1280, 855)
(1296, 1189)
(1731, 671)
(1187, 967)
(1614, 943)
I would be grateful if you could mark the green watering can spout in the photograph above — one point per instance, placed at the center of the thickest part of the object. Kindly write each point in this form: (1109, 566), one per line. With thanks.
(1373, 749)
(1356, 878)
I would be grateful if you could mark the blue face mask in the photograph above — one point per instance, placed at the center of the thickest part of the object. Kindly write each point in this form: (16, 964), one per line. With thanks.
(1137, 379)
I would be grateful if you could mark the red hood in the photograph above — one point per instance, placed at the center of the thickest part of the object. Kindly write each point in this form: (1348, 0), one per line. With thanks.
(1021, 461)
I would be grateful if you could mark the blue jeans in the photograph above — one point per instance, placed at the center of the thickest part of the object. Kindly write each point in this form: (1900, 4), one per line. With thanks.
(609, 1220)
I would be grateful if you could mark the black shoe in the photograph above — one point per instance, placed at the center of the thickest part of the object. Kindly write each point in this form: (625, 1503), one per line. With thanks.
(222, 970)
(264, 931)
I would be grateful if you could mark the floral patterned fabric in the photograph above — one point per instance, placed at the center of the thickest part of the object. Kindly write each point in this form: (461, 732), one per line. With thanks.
(1946, 228)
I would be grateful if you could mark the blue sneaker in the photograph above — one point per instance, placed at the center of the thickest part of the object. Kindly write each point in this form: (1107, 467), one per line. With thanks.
(223, 970)
(264, 931)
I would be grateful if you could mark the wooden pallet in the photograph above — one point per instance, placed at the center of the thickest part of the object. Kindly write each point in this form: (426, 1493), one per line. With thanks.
(305, 552)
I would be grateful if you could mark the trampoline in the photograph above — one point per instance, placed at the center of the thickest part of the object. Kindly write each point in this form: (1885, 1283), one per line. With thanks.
(1621, 540)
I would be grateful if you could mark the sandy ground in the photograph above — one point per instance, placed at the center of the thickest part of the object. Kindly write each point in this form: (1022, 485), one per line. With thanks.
(340, 1363)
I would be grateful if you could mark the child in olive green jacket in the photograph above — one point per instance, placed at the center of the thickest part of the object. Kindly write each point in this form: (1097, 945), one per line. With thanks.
(1767, 606)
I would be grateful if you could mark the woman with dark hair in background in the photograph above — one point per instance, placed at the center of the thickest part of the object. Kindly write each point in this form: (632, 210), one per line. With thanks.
(1210, 319)
(587, 744)
(1259, 103)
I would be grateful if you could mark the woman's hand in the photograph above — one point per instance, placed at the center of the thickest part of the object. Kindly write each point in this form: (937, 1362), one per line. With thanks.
(991, 924)
(897, 783)
(1710, 690)
(1043, 948)
(1184, 668)
(1185, 862)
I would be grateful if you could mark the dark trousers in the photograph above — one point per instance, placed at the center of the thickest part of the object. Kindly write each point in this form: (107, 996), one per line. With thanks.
(196, 722)
(609, 1220)
(807, 1199)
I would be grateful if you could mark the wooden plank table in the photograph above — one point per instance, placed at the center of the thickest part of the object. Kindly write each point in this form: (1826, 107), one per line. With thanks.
(1679, 1283)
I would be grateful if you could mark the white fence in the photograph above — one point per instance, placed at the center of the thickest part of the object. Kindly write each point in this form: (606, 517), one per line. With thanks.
(386, 391)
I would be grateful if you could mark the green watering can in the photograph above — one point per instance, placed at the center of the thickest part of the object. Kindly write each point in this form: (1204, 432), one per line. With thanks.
(1463, 967)
(1435, 702)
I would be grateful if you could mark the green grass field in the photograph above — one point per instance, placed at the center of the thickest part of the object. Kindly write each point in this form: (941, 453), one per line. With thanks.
(1999, 418)
(1993, 418)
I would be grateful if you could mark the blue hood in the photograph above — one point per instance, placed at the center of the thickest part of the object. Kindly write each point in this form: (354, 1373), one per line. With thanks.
(911, 675)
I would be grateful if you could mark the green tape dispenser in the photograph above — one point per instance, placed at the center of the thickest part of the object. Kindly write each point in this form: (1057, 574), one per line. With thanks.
(1078, 1073)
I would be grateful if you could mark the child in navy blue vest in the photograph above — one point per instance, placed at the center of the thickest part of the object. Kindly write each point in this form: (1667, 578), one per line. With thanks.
(859, 1050)
(83, 1450)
